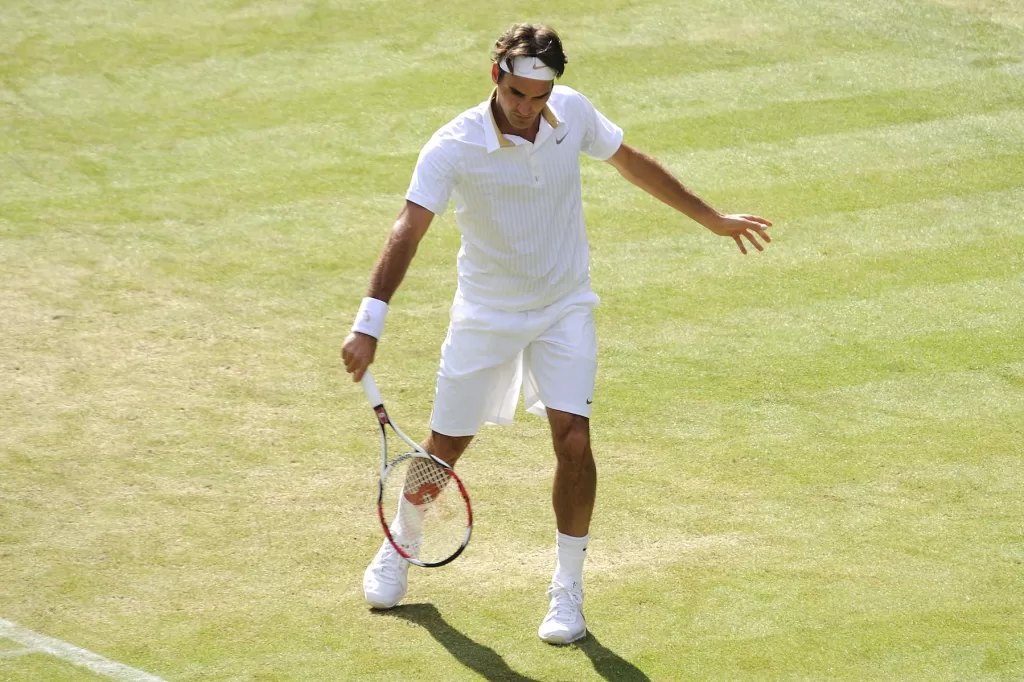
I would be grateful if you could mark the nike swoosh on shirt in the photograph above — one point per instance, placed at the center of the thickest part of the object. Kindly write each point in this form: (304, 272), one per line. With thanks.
(563, 137)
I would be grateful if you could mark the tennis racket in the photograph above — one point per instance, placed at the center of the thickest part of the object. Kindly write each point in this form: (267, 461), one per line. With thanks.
(422, 504)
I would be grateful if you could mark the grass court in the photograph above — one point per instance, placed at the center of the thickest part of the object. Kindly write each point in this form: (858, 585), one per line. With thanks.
(810, 460)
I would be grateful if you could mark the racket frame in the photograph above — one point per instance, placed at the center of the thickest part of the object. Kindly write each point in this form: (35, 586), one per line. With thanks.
(383, 421)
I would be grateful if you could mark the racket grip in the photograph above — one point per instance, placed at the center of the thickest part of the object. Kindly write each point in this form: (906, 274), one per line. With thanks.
(371, 390)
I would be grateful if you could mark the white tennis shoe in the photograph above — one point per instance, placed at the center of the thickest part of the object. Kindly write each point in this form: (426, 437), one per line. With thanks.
(386, 579)
(564, 622)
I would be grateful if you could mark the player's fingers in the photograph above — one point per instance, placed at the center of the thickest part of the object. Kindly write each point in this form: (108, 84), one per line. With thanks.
(753, 240)
(758, 219)
(755, 227)
(739, 243)
(359, 367)
(761, 222)
(352, 363)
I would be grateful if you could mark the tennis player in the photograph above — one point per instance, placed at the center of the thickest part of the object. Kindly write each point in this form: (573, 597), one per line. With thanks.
(522, 317)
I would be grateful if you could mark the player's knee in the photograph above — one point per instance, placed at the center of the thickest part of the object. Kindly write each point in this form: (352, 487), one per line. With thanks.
(572, 442)
(447, 448)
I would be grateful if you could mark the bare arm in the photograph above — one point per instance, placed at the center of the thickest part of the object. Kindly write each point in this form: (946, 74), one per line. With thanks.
(412, 223)
(408, 230)
(646, 173)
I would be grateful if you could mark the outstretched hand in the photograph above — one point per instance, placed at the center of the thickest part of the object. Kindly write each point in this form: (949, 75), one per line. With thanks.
(742, 226)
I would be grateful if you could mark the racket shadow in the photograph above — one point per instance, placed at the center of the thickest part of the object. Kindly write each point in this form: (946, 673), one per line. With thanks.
(609, 664)
(481, 659)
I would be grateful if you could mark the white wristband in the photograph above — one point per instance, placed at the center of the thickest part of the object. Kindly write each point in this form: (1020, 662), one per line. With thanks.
(370, 318)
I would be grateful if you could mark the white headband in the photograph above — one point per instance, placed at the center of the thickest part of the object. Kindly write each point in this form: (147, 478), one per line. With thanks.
(529, 67)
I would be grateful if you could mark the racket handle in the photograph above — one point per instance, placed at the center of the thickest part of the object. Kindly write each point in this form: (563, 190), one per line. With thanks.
(371, 390)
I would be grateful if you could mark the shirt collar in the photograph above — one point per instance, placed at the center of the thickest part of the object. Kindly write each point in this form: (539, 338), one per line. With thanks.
(495, 139)
(550, 116)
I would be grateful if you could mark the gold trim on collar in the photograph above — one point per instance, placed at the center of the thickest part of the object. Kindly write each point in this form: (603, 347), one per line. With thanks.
(502, 140)
(550, 117)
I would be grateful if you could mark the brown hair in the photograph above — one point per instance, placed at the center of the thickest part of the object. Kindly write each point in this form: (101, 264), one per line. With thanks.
(530, 40)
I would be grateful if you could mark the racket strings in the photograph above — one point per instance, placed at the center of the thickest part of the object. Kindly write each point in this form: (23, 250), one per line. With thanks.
(424, 481)
(429, 524)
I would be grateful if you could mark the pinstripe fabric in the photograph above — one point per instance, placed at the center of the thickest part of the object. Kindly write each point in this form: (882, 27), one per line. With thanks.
(518, 204)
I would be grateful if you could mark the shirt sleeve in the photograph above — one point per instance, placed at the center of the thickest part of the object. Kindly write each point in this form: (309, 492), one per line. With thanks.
(433, 178)
(601, 137)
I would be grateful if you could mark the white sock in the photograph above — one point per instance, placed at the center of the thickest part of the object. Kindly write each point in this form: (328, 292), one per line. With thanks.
(407, 528)
(570, 552)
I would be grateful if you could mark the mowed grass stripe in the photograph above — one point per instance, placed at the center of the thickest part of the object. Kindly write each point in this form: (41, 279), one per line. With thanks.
(289, 75)
(833, 192)
(933, 639)
(859, 246)
(812, 170)
(870, 111)
(340, 35)
(291, 79)
(767, 366)
(154, 35)
(654, 101)
(924, 224)
(889, 148)
(210, 93)
(983, 307)
(854, 279)
(331, 141)
(917, 225)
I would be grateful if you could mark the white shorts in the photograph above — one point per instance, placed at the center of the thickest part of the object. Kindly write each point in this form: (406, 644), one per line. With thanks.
(489, 354)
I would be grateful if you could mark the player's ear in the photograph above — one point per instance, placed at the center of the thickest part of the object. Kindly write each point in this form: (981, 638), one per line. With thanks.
(494, 73)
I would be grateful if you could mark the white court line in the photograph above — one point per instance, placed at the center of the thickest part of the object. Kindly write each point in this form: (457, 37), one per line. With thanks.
(72, 654)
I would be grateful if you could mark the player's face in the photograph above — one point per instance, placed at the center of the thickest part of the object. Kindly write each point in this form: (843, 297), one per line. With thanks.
(521, 99)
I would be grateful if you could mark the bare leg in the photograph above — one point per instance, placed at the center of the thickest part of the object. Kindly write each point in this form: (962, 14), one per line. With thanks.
(446, 448)
(422, 485)
(575, 473)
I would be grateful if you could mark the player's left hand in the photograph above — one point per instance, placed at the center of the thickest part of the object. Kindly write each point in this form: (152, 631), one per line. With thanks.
(741, 226)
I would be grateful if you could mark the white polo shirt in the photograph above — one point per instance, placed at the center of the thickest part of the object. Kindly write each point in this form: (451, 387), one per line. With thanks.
(517, 203)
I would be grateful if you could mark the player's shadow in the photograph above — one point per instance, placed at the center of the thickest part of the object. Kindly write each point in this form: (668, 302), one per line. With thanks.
(486, 662)
(481, 659)
(609, 664)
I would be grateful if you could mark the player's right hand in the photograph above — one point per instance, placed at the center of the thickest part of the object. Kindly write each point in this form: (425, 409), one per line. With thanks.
(357, 353)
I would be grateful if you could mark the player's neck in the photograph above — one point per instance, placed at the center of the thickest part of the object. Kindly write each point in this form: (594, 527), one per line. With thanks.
(506, 128)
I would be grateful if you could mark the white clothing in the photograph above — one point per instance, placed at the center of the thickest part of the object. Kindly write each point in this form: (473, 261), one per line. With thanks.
(518, 206)
(488, 354)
